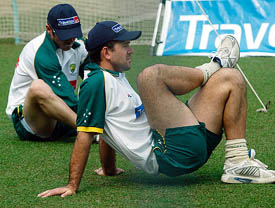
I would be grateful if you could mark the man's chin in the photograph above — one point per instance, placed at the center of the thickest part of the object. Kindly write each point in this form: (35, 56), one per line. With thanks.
(66, 48)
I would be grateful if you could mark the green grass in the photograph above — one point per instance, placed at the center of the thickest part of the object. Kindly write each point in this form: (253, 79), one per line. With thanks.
(28, 168)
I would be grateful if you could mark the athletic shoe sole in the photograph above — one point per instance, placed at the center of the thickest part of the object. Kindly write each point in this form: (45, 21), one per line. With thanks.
(228, 178)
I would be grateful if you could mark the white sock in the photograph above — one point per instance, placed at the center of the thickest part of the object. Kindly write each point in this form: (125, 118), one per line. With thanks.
(236, 150)
(208, 69)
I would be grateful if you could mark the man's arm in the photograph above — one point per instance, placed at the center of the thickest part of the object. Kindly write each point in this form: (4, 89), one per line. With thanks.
(78, 163)
(107, 157)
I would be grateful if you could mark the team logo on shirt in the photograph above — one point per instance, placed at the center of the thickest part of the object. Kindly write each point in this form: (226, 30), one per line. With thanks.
(72, 68)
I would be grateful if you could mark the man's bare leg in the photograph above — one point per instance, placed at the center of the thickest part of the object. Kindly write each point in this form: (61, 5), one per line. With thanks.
(158, 86)
(42, 109)
(220, 103)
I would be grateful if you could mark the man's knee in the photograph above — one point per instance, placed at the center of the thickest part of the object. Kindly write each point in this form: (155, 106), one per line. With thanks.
(149, 74)
(39, 90)
(231, 76)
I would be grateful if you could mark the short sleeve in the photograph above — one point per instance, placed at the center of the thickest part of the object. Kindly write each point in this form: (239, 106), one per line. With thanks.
(92, 104)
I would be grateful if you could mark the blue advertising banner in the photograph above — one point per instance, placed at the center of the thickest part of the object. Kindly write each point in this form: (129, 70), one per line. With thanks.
(190, 27)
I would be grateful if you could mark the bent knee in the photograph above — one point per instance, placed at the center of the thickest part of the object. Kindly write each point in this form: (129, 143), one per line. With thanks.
(149, 74)
(232, 76)
(39, 89)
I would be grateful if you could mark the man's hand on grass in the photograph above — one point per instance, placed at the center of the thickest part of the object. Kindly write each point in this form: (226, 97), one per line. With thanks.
(62, 191)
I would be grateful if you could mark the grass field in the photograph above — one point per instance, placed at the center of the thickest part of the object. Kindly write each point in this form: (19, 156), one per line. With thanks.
(28, 168)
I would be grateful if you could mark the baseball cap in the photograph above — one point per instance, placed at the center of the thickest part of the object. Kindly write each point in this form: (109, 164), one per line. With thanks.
(107, 31)
(64, 21)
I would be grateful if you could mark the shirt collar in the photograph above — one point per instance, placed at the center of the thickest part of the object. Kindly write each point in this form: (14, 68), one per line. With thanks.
(93, 65)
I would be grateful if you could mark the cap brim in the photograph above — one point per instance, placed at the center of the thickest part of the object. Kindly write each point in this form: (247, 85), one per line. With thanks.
(133, 35)
(69, 33)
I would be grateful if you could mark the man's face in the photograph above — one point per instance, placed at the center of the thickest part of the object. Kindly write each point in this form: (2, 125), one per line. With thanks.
(65, 45)
(121, 56)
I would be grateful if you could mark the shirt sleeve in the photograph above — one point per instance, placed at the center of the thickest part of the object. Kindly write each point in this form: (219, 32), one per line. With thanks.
(49, 70)
(92, 104)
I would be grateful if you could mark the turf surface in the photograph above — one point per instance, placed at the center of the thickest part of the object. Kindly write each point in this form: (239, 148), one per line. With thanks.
(28, 168)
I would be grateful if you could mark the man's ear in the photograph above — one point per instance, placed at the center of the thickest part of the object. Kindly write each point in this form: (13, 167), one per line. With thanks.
(105, 53)
(49, 29)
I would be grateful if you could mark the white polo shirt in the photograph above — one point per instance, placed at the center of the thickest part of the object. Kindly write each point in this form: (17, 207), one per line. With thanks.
(41, 59)
(109, 105)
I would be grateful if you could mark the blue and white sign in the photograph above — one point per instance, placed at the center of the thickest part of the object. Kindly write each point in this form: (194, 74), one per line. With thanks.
(190, 27)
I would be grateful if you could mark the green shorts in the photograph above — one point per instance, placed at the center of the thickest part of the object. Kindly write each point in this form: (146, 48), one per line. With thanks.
(61, 130)
(184, 149)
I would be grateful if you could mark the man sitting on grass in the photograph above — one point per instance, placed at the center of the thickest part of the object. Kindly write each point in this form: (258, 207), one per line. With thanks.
(42, 102)
(156, 131)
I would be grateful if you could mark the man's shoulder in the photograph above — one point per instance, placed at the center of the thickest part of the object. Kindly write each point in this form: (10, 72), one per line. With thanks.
(33, 45)
(94, 70)
(95, 78)
(46, 53)
(28, 54)
(37, 41)
(93, 86)
(98, 75)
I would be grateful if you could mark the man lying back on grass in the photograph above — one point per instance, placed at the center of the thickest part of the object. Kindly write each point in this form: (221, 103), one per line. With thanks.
(155, 131)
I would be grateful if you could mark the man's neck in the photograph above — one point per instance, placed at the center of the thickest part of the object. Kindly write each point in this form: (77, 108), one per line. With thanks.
(107, 65)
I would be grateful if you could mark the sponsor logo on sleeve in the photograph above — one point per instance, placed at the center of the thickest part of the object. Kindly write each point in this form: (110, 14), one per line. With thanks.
(139, 110)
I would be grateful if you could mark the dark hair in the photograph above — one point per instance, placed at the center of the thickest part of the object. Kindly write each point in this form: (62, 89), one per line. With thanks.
(53, 31)
(95, 53)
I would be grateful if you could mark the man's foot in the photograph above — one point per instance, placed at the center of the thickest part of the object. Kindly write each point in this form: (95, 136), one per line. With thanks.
(228, 52)
(247, 171)
(227, 55)
(251, 154)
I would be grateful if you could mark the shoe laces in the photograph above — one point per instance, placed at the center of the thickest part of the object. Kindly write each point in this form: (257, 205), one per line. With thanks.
(214, 58)
(212, 54)
(223, 61)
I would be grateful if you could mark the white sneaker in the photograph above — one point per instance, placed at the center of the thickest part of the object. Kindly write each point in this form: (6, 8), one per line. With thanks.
(247, 171)
(251, 154)
(228, 52)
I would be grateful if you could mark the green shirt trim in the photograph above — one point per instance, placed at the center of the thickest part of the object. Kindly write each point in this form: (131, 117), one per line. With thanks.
(94, 66)
(92, 102)
(49, 70)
